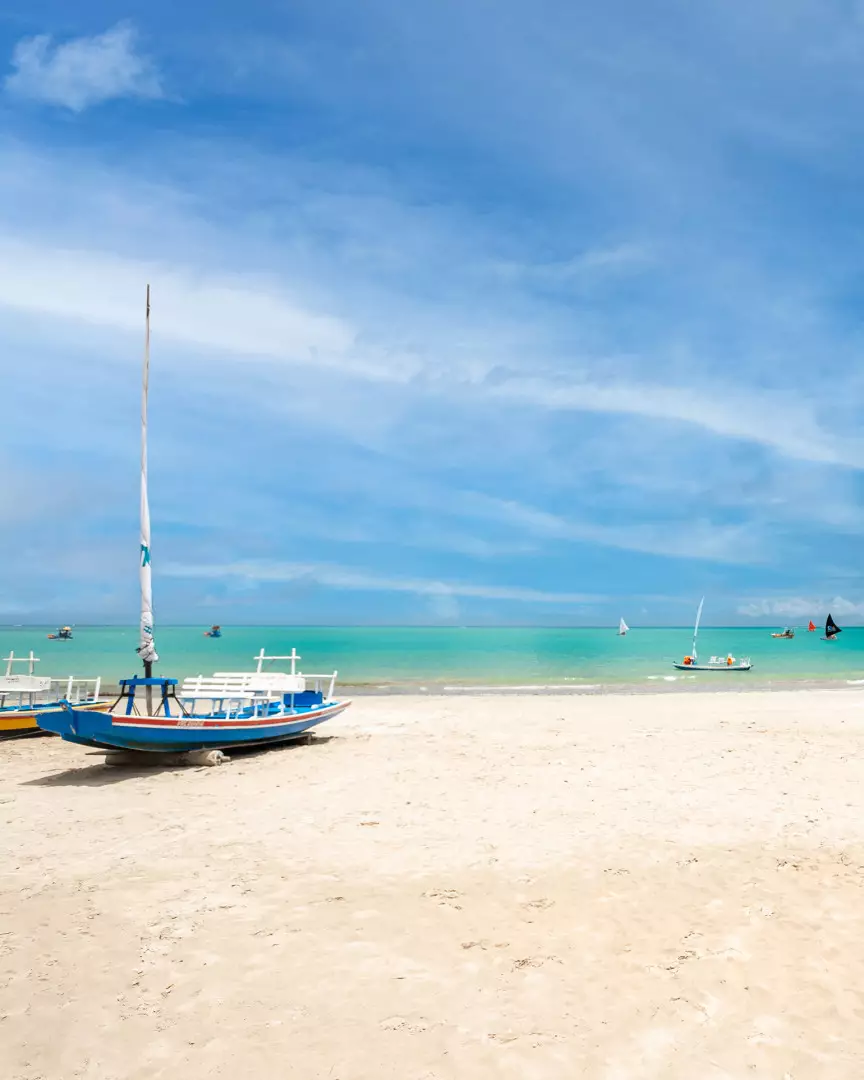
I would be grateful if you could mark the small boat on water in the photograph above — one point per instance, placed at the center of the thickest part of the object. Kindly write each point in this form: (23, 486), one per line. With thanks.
(64, 633)
(811, 626)
(623, 628)
(831, 629)
(23, 697)
(716, 663)
(787, 632)
(209, 713)
(214, 631)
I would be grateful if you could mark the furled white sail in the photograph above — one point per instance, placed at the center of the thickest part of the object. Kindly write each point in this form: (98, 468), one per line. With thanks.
(696, 627)
(622, 628)
(146, 645)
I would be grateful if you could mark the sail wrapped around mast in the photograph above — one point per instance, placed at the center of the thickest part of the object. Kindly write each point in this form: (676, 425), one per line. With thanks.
(146, 645)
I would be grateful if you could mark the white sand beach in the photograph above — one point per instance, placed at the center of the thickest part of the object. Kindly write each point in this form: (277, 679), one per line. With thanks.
(617, 887)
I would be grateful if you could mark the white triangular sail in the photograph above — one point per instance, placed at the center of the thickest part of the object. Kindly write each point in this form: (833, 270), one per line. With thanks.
(622, 628)
(146, 645)
(696, 627)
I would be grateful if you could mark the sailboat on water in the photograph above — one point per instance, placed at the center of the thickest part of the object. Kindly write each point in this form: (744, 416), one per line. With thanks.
(623, 628)
(716, 663)
(811, 626)
(831, 629)
(209, 713)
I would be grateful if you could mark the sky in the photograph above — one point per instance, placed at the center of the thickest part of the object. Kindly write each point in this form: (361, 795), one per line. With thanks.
(462, 313)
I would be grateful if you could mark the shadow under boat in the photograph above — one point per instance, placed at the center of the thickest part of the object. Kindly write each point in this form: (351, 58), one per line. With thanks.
(105, 773)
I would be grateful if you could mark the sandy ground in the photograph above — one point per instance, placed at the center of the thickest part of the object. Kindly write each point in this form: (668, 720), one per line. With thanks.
(526, 887)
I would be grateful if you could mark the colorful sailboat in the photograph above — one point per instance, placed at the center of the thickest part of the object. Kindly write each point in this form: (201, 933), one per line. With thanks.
(212, 713)
(25, 696)
(716, 663)
(831, 629)
(623, 628)
(811, 626)
(64, 633)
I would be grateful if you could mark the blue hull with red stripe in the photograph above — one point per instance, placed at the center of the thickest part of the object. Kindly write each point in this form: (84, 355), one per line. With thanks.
(176, 734)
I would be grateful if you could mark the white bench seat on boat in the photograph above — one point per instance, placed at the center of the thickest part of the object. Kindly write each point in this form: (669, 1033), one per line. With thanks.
(277, 682)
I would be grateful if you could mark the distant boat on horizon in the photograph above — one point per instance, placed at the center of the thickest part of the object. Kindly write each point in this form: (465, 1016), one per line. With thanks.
(214, 631)
(787, 632)
(623, 628)
(831, 629)
(811, 626)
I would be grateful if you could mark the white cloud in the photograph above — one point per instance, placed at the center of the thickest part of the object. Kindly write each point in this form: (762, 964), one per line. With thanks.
(339, 577)
(254, 315)
(690, 539)
(800, 607)
(590, 267)
(775, 420)
(84, 71)
(238, 314)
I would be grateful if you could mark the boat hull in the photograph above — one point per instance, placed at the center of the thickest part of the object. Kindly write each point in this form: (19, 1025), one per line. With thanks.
(713, 667)
(15, 722)
(177, 734)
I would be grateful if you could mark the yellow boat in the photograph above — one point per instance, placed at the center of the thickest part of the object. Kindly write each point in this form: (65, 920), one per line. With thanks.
(24, 697)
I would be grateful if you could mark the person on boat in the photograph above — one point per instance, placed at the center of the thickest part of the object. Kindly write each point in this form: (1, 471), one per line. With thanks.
(730, 659)
(688, 660)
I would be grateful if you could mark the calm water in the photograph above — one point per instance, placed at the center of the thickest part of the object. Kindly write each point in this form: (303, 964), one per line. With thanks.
(410, 657)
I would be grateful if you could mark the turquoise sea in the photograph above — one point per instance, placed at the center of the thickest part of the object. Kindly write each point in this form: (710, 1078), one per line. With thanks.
(406, 658)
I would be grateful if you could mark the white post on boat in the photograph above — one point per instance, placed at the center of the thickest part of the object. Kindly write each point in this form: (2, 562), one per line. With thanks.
(696, 627)
(146, 645)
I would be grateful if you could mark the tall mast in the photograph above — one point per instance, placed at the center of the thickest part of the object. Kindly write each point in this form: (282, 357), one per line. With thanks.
(146, 645)
(696, 627)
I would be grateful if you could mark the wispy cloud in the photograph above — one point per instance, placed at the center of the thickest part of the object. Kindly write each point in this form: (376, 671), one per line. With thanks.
(84, 71)
(780, 421)
(338, 577)
(800, 607)
(244, 314)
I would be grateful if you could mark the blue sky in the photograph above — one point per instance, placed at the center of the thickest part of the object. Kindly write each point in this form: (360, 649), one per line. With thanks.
(462, 312)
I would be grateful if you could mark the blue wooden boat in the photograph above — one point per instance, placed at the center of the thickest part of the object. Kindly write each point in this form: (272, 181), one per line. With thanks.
(208, 713)
(242, 709)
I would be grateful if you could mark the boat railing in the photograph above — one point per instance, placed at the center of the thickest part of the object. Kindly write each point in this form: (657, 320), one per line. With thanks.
(32, 690)
(77, 690)
(280, 682)
(23, 690)
(273, 682)
(230, 702)
(318, 681)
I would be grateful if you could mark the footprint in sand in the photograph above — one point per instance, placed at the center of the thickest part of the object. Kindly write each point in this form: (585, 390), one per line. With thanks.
(399, 1023)
(445, 897)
